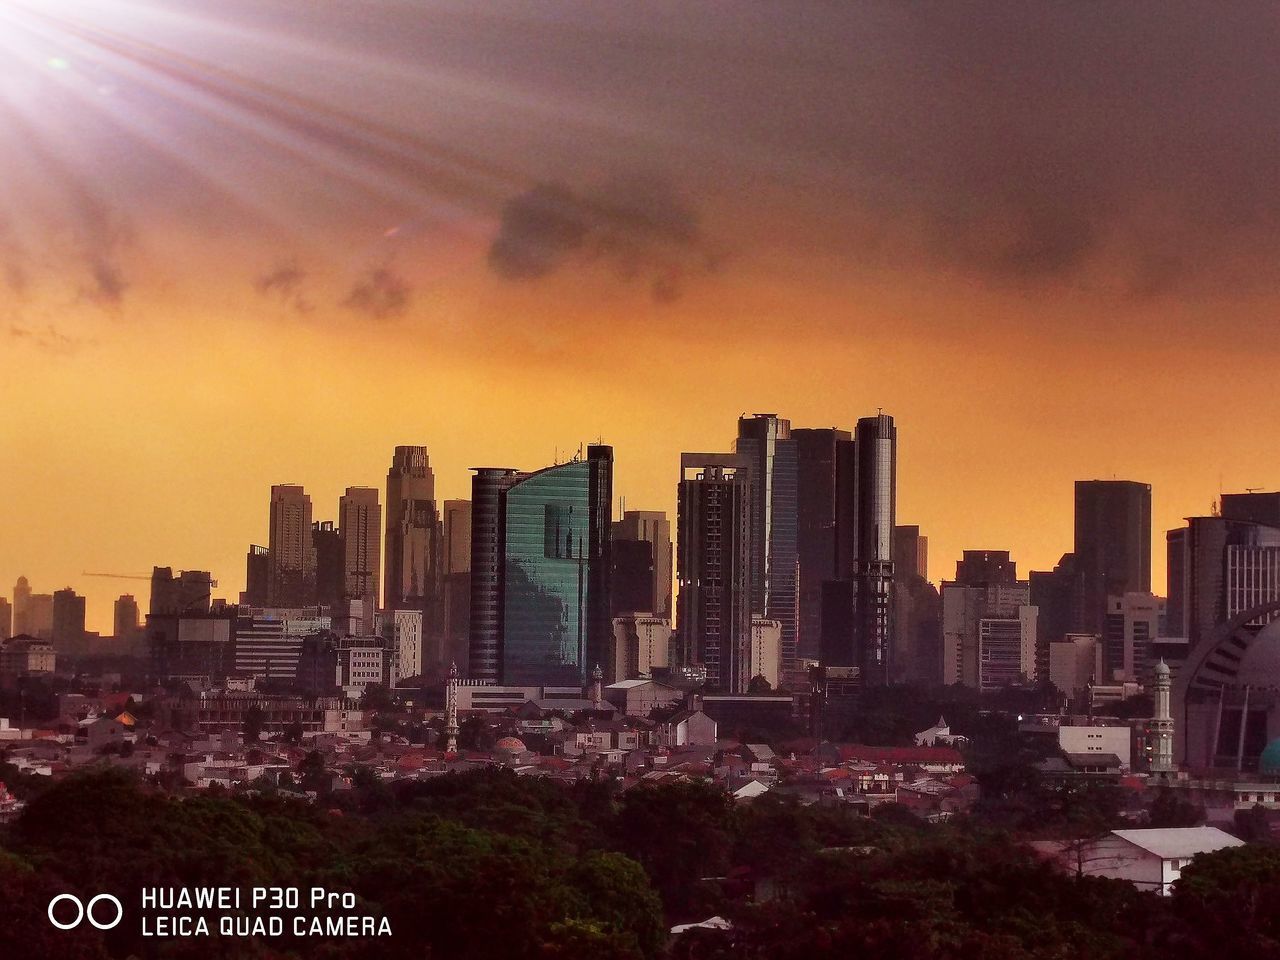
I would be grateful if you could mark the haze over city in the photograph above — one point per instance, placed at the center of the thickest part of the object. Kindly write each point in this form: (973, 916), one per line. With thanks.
(251, 243)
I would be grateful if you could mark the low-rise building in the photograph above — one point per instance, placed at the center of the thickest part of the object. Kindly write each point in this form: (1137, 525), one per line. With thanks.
(686, 727)
(1116, 740)
(25, 656)
(639, 698)
(1150, 859)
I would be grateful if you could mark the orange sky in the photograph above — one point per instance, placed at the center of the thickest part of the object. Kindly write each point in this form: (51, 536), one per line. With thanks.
(1051, 252)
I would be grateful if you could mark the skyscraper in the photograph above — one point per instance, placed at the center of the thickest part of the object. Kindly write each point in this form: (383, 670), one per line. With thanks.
(187, 592)
(126, 622)
(21, 599)
(910, 552)
(988, 633)
(765, 441)
(360, 524)
(413, 533)
(6, 619)
(1112, 543)
(456, 579)
(488, 503)
(292, 559)
(917, 610)
(980, 567)
(652, 527)
(540, 569)
(68, 621)
(556, 620)
(257, 576)
(331, 564)
(713, 567)
(632, 589)
(875, 491)
(816, 500)
(39, 618)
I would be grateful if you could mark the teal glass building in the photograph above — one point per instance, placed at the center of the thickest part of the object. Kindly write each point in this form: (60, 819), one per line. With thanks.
(554, 613)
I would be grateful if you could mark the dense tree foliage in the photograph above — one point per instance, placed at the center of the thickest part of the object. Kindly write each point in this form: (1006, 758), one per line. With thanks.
(490, 865)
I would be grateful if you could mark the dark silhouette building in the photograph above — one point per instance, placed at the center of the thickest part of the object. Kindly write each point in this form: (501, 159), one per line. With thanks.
(816, 503)
(633, 578)
(257, 576)
(980, 568)
(330, 565)
(68, 621)
(653, 527)
(413, 565)
(713, 568)
(1112, 543)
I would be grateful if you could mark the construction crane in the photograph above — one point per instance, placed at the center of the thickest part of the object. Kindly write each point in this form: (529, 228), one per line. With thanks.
(118, 576)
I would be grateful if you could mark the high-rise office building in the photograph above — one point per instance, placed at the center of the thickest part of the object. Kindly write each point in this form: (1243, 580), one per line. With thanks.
(1218, 568)
(331, 564)
(1263, 508)
(641, 643)
(488, 502)
(413, 534)
(68, 621)
(764, 440)
(21, 600)
(910, 552)
(917, 610)
(652, 527)
(360, 524)
(982, 567)
(988, 634)
(186, 592)
(39, 615)
(817, 501)
(6, 619)
(456, 578)
(633, 584)
(292, 559)
(540, 569)
(125, 618)
(1112, 543)
(1132, 625)
(557, 624)
(875, 490)
(713, 567)
(257, 576)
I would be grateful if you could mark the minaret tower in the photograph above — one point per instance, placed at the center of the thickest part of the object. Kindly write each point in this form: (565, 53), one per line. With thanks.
(596, 689)
(451, 710)
(1162, 723)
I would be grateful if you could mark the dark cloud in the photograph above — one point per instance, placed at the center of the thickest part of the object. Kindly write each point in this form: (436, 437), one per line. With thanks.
(380, 294)
(1130, 148)
(285, 282)
(638, 227)
(48, 339)
(102, 237)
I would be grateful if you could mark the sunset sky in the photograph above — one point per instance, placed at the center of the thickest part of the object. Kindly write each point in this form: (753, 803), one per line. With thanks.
(248, 242)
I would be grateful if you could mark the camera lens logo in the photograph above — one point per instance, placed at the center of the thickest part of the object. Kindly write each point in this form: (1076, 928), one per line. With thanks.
(86, 911)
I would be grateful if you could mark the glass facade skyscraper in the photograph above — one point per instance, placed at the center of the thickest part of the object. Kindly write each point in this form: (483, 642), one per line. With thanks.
(541, 572)
(765, 441)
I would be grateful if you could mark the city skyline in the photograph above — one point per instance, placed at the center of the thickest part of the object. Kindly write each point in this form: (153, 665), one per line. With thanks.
(101, 595)
(843, 239)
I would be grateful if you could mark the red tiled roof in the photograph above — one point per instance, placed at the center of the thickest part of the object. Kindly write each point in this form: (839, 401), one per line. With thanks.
(899, 755)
